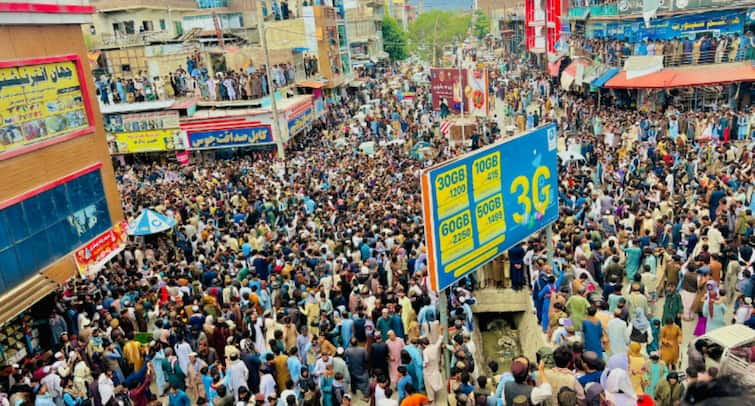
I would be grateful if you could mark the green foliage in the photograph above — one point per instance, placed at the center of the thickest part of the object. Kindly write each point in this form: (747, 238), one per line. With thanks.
(481, 24)
(394, 39)
(436, 29)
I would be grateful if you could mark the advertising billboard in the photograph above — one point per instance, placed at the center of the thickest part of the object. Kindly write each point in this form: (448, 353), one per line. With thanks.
(483, 203)
(448, 84)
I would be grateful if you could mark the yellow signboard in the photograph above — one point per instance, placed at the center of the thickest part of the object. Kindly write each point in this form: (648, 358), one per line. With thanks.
(39, 102)
(146, 141)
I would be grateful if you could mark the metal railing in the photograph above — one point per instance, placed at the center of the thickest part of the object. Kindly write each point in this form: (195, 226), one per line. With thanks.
(117, 40)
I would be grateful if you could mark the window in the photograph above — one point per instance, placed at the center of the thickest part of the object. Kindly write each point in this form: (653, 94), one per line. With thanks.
(147, 26)
(179, 28)
(126, 67)
(39, 230)
(129, 27)
(92, 30)
(162, 25)
(117, 28)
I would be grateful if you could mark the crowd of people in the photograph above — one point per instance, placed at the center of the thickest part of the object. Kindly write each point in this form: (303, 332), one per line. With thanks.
(683, 51)
(195, 81)
(304, 281)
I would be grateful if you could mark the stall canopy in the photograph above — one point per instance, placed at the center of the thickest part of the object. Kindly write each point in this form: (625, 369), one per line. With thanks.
(150, 222)
(574, 73)
(554, 67)
(601, 80)
(687, 76)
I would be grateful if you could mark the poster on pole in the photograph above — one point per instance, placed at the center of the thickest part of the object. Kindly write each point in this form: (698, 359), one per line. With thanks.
(477, 92)
(481, 204)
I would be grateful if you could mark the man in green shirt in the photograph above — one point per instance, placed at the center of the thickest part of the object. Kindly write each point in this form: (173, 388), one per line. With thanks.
(577, 306)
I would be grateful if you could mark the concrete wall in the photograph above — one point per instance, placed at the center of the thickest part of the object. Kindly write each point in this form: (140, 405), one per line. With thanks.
(286, 34)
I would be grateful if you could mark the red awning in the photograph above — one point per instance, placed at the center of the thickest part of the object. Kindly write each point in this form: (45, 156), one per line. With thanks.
(688, 76)
(572, 68)
(553, 67)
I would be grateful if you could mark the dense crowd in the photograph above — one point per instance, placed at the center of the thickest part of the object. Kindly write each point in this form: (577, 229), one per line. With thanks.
(304, 281)
(194, 80)
(684, 51)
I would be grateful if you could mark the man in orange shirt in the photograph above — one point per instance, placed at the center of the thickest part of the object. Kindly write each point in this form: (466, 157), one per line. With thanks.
(413, 398)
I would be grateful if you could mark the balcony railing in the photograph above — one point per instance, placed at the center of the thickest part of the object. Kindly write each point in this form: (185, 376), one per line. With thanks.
(602, 10)
(122, 4)
(120, 40)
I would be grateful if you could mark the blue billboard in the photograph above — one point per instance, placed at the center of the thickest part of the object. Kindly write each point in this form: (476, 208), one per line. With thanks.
(237, 137)
(485, 202)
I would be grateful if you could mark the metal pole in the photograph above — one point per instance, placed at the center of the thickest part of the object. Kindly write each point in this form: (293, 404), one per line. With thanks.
(444, 326)
(268, 73)
(549, 243)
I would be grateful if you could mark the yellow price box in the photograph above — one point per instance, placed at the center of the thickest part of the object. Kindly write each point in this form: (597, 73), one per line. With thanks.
(451, 189)
(486, 175)
(456, 237)
(490, 218)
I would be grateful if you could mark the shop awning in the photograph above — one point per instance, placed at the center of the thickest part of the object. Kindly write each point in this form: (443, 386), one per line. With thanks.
(554, 67)
(688, 76)
(574, 73)
(640, 65)
(605, 77)
(311, 84)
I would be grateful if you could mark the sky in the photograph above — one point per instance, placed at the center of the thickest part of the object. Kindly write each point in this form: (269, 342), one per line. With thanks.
(445, 4)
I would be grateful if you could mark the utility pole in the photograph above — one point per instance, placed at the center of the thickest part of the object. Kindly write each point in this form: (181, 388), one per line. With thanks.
(435, 34)
(268, 73)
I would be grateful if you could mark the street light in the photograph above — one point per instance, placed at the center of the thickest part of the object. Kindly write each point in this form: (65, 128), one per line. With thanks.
(269, 74)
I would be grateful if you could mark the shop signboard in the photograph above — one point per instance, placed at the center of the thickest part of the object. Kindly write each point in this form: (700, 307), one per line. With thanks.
(300, 121)
(483, 203)
(448, 84)
(238, 137)
(42, 101)
(684, 26)
(158, 120)
(96, 253)
(146, 141)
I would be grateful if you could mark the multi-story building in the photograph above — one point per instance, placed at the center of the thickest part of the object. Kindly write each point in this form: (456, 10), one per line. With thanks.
(323, 35)
(364, 24)
(59, 204)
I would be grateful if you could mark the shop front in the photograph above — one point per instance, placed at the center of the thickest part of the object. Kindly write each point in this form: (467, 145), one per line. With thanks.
(300, 119)
(136, 133)
(227, 138)
(691, 26)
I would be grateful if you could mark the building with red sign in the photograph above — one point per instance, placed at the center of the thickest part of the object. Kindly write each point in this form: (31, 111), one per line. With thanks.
(57, 192)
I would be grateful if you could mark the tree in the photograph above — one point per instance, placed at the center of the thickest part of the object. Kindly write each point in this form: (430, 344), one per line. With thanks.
(435, 29)
(481, 24)
(394, 39)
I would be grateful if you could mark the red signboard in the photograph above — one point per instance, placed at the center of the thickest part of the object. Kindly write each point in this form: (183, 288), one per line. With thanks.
(91, 257)
(449, 84)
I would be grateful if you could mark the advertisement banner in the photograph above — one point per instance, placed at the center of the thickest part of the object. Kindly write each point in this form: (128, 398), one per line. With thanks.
(300, 121)
(448, 84)
(183, 157)
(96, 253)
(158, 120)
(39, 102)
(146, 141)
(485, 202)
(634, 7)
(319, 108)
(237, 137)
(477, 92)
(683, 26)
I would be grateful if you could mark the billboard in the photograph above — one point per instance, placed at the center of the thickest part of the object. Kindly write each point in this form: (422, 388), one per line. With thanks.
(237, 137)
(146, 141)
(42, 100)
(96, 253)
(449, 84)
(716, 22)
(483, 203)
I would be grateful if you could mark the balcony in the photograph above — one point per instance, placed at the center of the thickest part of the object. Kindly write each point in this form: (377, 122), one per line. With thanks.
(105, 6)
(127, 40)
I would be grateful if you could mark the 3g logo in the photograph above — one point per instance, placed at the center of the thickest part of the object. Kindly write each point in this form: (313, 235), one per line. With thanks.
(540, 196)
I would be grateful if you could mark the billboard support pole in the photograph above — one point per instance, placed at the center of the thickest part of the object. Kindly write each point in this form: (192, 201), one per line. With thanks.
(444, 325)
(549, 243)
